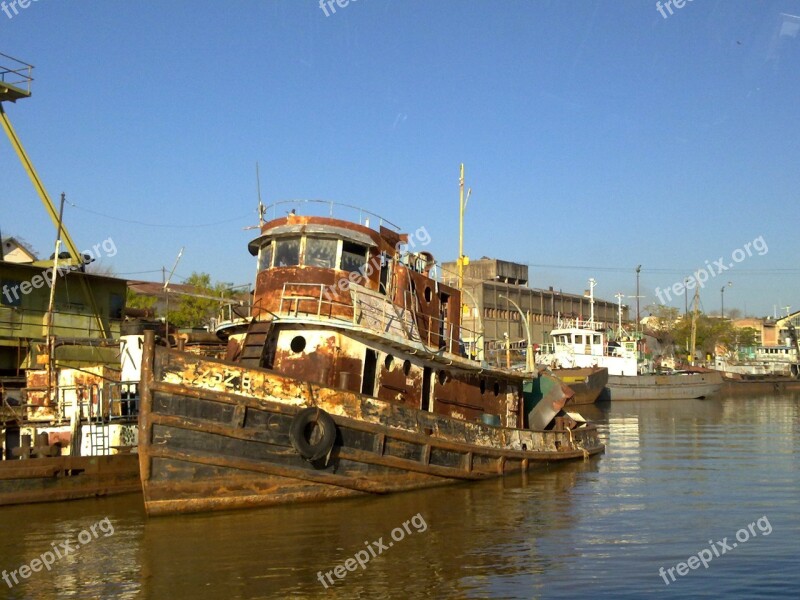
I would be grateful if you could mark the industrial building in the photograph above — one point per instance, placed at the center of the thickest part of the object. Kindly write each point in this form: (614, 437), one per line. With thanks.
(490, 285)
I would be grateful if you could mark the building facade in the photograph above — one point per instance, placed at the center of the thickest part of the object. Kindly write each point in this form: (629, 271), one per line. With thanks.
(491, 284)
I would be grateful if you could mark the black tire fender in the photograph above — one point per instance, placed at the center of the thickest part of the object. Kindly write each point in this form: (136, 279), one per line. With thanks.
(299, 433)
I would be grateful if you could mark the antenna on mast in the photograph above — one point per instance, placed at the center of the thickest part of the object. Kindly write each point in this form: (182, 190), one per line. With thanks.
(166, 294)
(260, 204)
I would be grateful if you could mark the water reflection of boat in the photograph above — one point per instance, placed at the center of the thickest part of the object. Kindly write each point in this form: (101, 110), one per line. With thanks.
(500, 526)
(349, 379)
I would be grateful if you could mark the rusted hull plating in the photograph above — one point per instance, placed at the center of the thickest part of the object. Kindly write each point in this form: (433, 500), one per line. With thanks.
(587, 383)
(216, 436)
(67, 478)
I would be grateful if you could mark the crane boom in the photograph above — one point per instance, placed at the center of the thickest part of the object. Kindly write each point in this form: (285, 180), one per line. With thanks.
(15, 82)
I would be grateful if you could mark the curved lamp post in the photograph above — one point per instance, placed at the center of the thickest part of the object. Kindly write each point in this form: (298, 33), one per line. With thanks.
(529, 365)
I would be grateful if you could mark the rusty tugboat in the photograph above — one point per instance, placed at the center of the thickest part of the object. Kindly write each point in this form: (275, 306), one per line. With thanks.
(346, 376)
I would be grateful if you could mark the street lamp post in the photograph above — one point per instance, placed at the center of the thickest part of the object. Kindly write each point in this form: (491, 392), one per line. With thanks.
(722, 299)
(529, 364)
(479, 342)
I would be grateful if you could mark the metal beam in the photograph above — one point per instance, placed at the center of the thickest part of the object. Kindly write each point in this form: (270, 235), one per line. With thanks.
(37, 183)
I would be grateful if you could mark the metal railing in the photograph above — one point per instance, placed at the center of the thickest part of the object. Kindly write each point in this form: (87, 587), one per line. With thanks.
(66, 323)
(111, 400)
(329, 206)
(563, 323)
(16, 72)
(376, 314)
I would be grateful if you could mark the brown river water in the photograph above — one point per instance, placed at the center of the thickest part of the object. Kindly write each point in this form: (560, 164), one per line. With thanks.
(680, 480)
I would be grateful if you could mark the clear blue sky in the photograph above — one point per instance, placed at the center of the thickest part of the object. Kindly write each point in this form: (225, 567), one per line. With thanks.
(597, 135)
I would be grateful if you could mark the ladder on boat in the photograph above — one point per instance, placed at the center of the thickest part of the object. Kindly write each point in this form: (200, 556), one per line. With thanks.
(255, 344)
(98, 425)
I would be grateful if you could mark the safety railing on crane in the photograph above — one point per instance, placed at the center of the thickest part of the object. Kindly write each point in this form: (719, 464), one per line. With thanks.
(16, 73)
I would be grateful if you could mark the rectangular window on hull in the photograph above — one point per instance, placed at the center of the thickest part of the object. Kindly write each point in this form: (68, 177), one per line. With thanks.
(320, 253)
(354, 256)
(287, 252)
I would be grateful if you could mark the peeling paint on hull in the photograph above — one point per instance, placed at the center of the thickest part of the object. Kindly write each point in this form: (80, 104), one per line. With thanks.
(216, 436)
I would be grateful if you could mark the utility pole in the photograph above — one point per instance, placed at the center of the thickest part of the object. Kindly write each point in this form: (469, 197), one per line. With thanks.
(638, 318)
(694, 323)
(685, 298)
(462, 207)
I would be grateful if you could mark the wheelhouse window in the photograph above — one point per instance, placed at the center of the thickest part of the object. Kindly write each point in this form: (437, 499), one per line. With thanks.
(354, 256)
(287, 252)
(265, 257)
(320, 253)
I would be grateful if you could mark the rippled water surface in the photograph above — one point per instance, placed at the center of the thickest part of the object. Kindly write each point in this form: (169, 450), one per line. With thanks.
(676, 476)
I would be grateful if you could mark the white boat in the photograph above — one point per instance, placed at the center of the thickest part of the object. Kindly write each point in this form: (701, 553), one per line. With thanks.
(582, 344)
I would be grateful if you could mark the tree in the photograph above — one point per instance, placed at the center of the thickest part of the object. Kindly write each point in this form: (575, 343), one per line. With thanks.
(662, 323)
(197, 309)
(134, 300)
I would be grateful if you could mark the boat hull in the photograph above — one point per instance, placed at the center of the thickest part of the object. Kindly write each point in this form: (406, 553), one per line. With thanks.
(587, 383)
(60, 478)
(217, 436)
(663, 387)
(759, 385)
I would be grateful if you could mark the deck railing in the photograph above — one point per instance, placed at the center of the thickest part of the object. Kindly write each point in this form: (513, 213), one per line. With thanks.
(374, 312)
(329, 207)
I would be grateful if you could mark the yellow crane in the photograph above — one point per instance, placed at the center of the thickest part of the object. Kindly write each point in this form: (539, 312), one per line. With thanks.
(15, 84)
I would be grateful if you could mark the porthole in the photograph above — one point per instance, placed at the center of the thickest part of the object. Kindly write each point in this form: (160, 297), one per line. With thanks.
(483, 386)
(298, 344)
(496, 389)
(388, 362)
(406, 367)
(442, 377)
(428, 294)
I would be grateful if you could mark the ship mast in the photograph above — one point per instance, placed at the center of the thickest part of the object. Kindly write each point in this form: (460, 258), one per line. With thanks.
(696, 302)
(462, 207)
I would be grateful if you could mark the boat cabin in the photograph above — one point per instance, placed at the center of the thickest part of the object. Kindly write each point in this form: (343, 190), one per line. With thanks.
(357, 308)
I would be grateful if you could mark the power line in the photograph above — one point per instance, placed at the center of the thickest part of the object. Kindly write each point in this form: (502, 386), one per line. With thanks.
(669, 271)
(163, 225)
